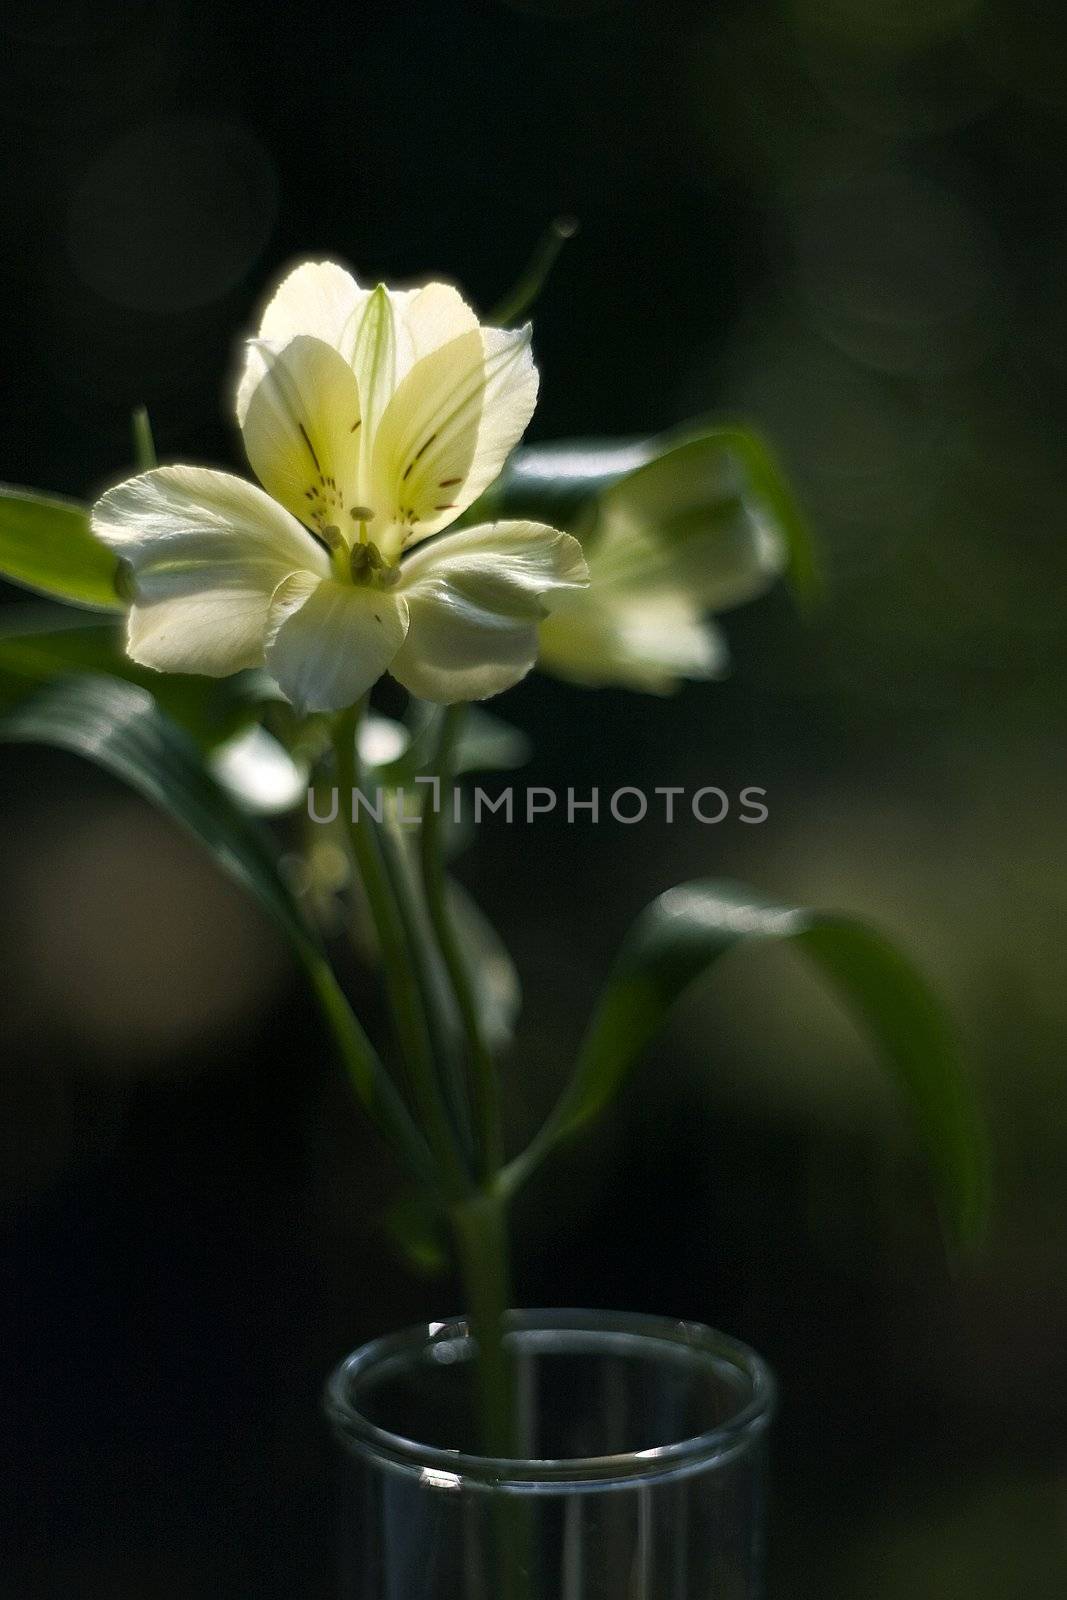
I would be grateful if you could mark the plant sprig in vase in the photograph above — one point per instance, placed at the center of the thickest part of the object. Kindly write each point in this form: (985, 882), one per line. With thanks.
(397, 528)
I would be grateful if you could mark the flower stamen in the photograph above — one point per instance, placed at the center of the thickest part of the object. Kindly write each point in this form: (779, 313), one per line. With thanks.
(367, 565)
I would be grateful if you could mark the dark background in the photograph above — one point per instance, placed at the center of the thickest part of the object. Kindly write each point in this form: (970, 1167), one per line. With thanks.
(842, 219)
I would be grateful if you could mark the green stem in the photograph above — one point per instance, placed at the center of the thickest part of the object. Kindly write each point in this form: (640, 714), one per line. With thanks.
(144, 445)
(480, 1229)
(485, 1088)
(522, 296)
(420, 941)
(406, 1000)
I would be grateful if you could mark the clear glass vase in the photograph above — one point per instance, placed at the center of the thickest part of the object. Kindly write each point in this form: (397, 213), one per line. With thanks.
(641, 1476)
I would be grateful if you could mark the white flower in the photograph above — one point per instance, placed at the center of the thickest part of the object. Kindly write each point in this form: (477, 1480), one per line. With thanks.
(373, 419)
(671, 542)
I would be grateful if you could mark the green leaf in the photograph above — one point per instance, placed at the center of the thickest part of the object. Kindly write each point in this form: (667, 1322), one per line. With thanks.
(763, 478)
(685, 932)
(560, 482)
(45, 544)
(495, 982)
(119, 727)
(40, 642)
(419, 1232)
(38, 647)
(487, 743)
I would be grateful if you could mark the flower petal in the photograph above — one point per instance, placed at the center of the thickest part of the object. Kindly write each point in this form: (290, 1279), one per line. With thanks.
(429, 318)
(207, 550)
(301, 433)
(595, 639)
(447, 430)
(323, 300)
(392, 330)
(329, 642)
(318, 298)
(686, 522)
(475, 600)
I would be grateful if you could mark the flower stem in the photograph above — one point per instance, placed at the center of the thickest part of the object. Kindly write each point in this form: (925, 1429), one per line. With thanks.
(524, 293)
(144, 445)
(478, 1215)
(406, 1001)
(421, 943)
(480, 1230)
(485, 1088)
(480, 1222)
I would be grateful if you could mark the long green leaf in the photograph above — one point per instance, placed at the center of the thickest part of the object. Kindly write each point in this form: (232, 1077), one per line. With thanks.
(685, 932)
(769, 483)
(495, 982)
(561, 482)
(40, 642)
(45, 544)
(119, 727)
(418, 1231)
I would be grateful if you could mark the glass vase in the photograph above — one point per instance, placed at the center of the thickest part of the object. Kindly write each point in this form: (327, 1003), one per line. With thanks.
(640, 1478)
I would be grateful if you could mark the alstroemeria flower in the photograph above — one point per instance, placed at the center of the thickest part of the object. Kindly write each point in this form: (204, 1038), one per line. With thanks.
(373, 419)
(670, 544)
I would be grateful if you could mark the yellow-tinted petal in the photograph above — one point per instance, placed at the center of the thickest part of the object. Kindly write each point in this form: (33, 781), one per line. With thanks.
(430, 318)
(447, 430)
(301, 432)
(318, 298)
(682, 523)
(324, 301)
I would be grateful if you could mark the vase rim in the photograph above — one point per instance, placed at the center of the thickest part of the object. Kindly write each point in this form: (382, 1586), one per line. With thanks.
(453, 1468)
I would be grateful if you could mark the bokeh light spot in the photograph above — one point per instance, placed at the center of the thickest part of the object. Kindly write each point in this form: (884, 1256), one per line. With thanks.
(174, 215)
(895, 28)
(898, 274)
(134, 942)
